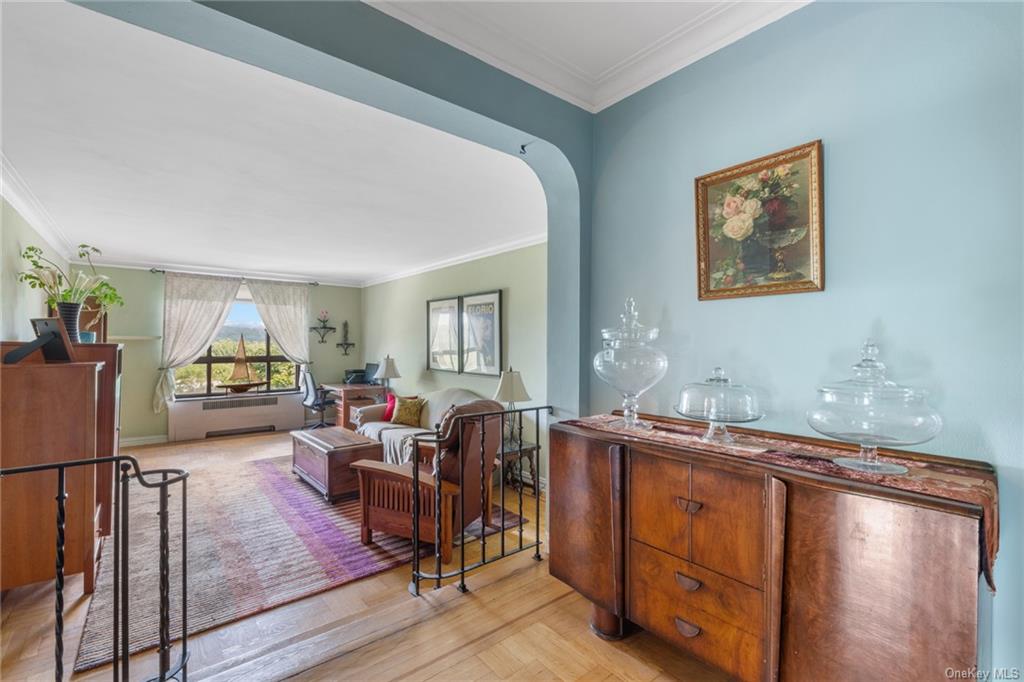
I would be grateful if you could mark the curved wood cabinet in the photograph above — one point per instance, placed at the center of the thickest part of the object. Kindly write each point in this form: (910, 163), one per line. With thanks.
(762, 571)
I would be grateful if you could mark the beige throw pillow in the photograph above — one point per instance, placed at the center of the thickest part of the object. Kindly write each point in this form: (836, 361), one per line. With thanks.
(407, 411)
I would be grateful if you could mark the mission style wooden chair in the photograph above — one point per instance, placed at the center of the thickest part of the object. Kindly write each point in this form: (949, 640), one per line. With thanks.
(385, 490)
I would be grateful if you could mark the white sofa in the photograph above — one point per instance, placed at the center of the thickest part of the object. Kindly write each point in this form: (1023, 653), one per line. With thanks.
(369, 421)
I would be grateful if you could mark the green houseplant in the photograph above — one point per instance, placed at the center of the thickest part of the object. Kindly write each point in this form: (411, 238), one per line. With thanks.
(67, 293)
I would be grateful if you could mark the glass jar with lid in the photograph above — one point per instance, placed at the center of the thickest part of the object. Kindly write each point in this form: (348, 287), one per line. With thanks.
(630, 363)
(872, 411)
(718, 401)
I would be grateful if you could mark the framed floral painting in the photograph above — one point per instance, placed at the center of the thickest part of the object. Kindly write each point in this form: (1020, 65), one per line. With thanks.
(760, 226)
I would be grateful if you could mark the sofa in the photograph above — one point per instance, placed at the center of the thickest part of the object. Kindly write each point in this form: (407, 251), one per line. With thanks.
(369, 422)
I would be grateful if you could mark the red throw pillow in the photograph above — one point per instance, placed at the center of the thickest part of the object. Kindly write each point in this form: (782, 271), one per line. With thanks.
(389, 411)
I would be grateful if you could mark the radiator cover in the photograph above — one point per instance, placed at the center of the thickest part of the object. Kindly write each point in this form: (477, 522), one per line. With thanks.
(198, 418)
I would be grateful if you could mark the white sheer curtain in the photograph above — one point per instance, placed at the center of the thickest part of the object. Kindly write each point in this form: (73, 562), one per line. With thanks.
(195, 307)
(284, 308)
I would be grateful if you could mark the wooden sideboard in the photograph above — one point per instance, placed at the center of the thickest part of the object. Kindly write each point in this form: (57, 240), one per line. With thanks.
(37, 411)
(762, 571)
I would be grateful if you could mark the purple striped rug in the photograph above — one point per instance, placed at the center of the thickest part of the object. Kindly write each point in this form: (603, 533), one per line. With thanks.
(258, 538)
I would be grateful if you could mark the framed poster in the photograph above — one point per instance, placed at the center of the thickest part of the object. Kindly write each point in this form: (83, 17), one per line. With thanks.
(443, 330)
(481, 334)
(760, 226)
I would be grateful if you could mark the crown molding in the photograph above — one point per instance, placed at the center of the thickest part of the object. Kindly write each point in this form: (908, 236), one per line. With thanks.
(451, 25)
(14, 189)
(465, 258)
(515, 245)
(713, 29)
(127, 264)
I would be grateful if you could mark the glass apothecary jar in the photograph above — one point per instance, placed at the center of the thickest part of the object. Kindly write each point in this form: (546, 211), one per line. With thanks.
(718, 401)
(629, 362)
(872, 412)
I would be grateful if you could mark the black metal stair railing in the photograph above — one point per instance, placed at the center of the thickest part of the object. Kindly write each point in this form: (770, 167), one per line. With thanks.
(514, 444)
(162, 479)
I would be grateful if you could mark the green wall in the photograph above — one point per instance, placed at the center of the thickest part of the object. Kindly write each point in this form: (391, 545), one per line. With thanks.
(394, 319)
(19, 302)
(142, 316)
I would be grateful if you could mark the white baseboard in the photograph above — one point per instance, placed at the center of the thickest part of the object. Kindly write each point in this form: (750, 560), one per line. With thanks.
(143, 440)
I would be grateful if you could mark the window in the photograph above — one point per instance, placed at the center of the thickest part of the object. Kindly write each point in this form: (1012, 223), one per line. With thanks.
(266, 362)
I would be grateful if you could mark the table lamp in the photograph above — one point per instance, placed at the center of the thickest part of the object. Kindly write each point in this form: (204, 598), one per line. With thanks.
(387, 371)
(511, 390)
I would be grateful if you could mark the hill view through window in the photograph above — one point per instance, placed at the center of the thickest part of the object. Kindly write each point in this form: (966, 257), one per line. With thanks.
(266, 361)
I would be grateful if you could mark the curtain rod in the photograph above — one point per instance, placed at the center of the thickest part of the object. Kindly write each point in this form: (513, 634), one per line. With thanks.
(243, 278)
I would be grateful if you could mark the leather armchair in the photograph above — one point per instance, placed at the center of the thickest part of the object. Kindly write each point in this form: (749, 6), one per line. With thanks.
(386, 490)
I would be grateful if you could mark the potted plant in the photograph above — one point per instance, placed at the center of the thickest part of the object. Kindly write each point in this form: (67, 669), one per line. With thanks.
(66, 293)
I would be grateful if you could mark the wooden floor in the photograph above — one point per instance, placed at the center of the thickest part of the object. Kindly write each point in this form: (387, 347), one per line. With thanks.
(517, 622)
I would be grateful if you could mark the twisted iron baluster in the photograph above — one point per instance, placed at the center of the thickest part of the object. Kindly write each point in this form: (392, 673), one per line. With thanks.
(58, 629)
(437, 506)
(485, 514)
(165, 584)
(534, 464)
(414, 586)
(519, 473)
(123, 506)
(462, 524)
(501, 467)
(184, 581)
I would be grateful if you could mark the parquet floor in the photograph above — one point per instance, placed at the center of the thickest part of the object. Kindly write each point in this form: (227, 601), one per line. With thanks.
(517, 622)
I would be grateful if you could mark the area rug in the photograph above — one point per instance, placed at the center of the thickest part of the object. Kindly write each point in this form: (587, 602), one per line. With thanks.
(257, 538)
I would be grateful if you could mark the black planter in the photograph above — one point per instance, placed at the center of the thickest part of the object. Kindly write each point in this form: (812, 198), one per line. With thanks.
(69, 313)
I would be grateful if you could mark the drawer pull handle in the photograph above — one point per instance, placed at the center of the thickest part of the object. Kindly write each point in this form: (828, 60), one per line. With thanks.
(687, 583)
(688, 506)
(686, 629)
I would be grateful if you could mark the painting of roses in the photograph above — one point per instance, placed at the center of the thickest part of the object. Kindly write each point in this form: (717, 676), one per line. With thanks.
(760, 226)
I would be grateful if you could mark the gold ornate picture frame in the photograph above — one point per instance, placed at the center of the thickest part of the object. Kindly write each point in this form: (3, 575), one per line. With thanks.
(760, 226)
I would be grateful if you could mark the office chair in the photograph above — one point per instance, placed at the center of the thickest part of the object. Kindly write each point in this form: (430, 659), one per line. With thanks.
(315, 398)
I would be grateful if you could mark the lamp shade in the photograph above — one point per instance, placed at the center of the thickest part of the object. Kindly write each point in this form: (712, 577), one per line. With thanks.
(387, 369)
(510, 388)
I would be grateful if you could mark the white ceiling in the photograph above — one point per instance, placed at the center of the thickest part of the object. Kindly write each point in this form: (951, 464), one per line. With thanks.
(592, 54)
(163, 154)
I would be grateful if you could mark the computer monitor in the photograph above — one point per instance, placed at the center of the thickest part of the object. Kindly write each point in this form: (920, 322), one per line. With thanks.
(370, 372)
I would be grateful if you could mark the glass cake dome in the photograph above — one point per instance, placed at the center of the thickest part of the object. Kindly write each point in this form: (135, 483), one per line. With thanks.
(873, 412)
(718, 401)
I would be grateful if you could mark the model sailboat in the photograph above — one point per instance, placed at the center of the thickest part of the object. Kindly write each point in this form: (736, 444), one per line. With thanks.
(242, 377)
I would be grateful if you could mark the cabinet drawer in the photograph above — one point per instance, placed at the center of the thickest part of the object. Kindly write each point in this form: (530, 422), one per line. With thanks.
(659, 494)
(721, 622)
(727, 530)
(692, 588)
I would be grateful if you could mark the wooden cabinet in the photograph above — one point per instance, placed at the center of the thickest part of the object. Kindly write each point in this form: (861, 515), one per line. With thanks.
(698, 569)
(763, 571)
(586, 523)
(47, 414)
(108, 421)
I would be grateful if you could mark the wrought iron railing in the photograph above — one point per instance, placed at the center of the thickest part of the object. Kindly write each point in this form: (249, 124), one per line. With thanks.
(511, 443)
(128, 469)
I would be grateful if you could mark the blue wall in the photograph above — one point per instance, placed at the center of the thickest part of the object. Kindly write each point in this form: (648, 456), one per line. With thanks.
(919, 108)
(920, 111)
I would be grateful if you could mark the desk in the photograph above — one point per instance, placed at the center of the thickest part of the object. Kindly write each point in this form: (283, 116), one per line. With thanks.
(354, 395)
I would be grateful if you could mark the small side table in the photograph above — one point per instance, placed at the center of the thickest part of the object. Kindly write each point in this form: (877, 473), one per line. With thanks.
(517, 453)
